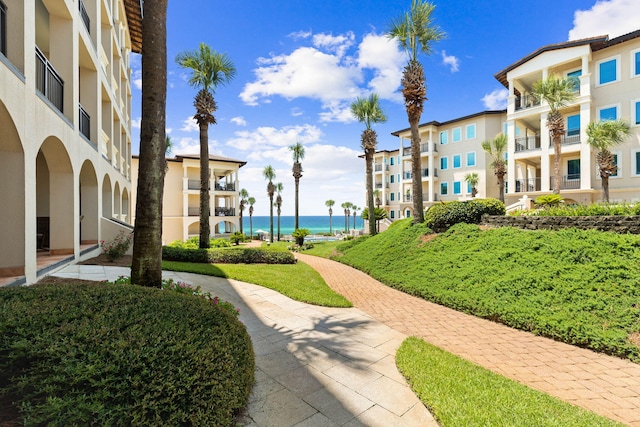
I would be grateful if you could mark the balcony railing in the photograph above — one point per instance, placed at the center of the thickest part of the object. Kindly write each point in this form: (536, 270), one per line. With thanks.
(569, 182)
(525, 185)
(85, 122)
(379, 185)
(85, 16)
(193, 184)
(48, 81)
(193, 211)
(379, 168)
(407, 175)
(407, 197)
(526, 101)
(568, 140)
(225, 212)
(526, 143)
(225, 187)
(406, 151)
(3, 28)
(424, 148)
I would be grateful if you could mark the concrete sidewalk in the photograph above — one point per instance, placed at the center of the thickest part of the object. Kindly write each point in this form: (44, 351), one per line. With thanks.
(315, 366)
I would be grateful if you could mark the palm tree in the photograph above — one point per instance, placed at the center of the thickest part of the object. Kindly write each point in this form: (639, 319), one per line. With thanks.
(146, 266)
(270, 174)
(329, 203)
(355, 211)
(210, 69)
(376, 194)
(251, 201)
(602, 136)
(496, 149)
(344, 206)
(415, 32)
(557, 92)
(243, 201)
(472, 178)
(279, 188)
(368, 111)
(298, 154)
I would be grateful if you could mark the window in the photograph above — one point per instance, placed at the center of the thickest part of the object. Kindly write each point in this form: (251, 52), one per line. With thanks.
(573, 125)
(457, 161)
(635, 63)
(470, 131)
(636, 168)
(444, 188)
(617, 174)
(607, 71)
(457, 187)
(456, 135)
(575, 77)
(384, 160)
(392, 179)
(408, 215)
(3, 28)
(444, 163)
(392, 214)
(444, 137)
(635, 111)
(608, 113)
(469, 188)
(573, 169)
(392, 196)
(471, 158)
(392, 161)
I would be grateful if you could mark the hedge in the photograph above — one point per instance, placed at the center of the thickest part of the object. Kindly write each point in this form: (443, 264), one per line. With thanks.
(229, 255)
(121, 355)
(441, 216)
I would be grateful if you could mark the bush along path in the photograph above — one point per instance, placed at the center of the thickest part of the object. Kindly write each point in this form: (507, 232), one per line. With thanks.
(606, 385)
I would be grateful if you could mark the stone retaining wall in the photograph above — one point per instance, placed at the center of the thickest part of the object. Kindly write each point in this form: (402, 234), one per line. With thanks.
(617, 224)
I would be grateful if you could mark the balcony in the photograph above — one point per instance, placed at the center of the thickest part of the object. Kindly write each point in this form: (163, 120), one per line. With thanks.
(569, 182)
(48, 81)
(424, 148)
(406, 151)
(527, 143)
(407, 197)
(225, 187)
(379, 185)
(193, 211)
(3, 28)
(526, 101)
(225, 212)
(85, 16)
(379, 168)
(568, 140)
(85, 122)
(193, 184)
(526, 185)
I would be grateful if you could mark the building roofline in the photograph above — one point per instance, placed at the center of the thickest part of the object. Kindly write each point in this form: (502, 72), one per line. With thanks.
(134, 13)
(448, 122)
(181, 157)
(597, 43)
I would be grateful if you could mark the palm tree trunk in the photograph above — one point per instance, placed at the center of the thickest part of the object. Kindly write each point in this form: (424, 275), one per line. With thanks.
(271, 218)
(605, 189)
(241, 218)
(146, 266)
(557, 163)
(295, 226)
(416, 174)
(278, 223)
(330, 221)
(205, 210)
(251, 225)
(501, 185)
(368, 156)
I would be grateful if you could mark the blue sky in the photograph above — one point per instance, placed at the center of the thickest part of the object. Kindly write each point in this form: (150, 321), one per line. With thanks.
(300, 64)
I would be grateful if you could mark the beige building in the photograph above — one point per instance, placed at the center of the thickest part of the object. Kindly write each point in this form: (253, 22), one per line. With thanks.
(607, 76)
(181, 197)
(65, 121)
(450, 150)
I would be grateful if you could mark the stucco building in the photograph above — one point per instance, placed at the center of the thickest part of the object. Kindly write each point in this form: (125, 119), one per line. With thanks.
(65, 120)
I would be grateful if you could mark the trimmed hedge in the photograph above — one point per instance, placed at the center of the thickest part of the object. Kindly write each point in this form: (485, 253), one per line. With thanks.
(121, 355)
(229, 255)
(443, 215)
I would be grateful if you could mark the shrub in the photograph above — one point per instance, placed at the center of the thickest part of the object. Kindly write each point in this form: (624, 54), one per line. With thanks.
(443, 215)
(121, 355)
(596, 209)
(116, 248)
(229, 255)
(237, 237)
(194, 243)
(549, 200)
(299, 234)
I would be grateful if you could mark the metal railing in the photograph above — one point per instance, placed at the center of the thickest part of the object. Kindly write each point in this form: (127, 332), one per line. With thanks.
(526, 143)
(569, 182)
(379, 168)
(225, 187)
(3, 28)
(48, 81)
(530, 184)
(225, 212)
(406, 151)
(193, 211)
(407, 197)
(193, 184)
(85, 16)
(85, 122)
(568, 140)
(526, 101)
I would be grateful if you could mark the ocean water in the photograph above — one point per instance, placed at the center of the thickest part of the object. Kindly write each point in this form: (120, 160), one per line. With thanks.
(315, 224)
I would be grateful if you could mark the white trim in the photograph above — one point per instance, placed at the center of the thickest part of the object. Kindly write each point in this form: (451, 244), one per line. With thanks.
(446, 158)
(466, 159)
(453, 187)
(634, 165)
(632, 64)
(466, 131)
(446, 134)
(602, 61)
(453, 140)
(447, 185)
(606, 107)
(632, 122)
(453, 161)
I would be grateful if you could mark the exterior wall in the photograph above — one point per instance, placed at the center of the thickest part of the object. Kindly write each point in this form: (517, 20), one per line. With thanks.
(55, 170)
(616, 224)
(181, 197)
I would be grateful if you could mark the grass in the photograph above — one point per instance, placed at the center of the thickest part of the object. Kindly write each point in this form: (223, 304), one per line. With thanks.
(459, 393)
(576, 286)
(297, 281)
(323, 249)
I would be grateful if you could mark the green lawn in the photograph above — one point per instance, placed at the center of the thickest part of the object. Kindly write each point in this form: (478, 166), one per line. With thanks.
(459, 393)
(297, 281)
(576, 286)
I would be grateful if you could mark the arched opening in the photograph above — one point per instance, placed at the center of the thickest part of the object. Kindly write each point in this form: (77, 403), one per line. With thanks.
(107, 197)
(88, 204)
(125, 206)
(12, 193)
(116, 201)
(194, 230)
(224, 227)
(54, 198)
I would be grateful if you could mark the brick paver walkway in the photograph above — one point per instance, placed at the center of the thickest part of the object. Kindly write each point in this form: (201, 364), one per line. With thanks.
(603, 384)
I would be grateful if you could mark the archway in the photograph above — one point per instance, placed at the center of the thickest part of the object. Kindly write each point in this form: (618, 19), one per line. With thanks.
(125, 206)
(116, 201)
(107, 197)
(88, 204)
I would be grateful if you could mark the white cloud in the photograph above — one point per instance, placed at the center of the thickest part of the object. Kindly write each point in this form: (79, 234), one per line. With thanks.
(266, 138)
(190, 146)
(190, 125)
(606, 17)
(496, 100)
(240, 121)
(451, 61)
(135, 123)
(325, 72)
(300, 35)
(296, 112)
